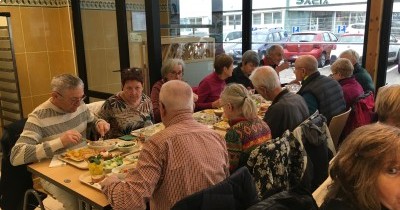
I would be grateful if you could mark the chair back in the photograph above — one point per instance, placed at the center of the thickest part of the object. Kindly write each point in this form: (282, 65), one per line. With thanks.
(237, 192)
(277, 165)
(17, 178)
(336, 126)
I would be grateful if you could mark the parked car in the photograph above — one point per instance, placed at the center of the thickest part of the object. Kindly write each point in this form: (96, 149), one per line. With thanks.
(356, 28)
(348, 41)
(356, 42)
(310, 43)
(261, 40)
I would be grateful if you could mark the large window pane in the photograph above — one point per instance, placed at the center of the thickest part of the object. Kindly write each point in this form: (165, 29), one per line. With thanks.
(393, 70)
(334, 26)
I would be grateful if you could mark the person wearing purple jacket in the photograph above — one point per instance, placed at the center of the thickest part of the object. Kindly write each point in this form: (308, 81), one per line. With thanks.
(342, 71)
(211, 86)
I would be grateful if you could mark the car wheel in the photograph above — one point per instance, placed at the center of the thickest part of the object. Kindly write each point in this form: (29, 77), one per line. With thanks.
(322, 60)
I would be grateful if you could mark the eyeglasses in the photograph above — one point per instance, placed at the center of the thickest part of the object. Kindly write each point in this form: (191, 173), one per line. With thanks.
(331, 75)
(294, 68)
(176, 73)
(75, 99)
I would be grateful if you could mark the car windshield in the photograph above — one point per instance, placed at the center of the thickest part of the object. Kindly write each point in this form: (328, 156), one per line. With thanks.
(351, 39)
(302, 37)
(259, 38)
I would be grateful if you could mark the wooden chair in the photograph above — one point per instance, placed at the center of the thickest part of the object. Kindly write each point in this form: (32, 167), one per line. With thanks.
(336, 126)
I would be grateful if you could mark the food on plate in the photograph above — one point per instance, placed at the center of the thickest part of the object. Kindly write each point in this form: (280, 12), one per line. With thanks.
(264, 107)
(223, 125)
(127, 146)
(79, 154)
(112, 163)
(132, 157)
(97, 178)
(122, 171)
(101, 145)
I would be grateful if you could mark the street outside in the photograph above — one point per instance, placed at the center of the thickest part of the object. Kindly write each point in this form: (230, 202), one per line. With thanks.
(392, 77)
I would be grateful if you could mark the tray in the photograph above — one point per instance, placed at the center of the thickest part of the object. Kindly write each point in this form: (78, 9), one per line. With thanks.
(85, 178)
(79, 164)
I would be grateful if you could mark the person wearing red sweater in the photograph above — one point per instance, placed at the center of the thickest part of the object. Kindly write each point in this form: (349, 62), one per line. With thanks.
(211, 86)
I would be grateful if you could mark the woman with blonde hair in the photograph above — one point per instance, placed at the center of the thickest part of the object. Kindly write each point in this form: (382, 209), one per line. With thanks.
(366, 171)
(247, 130)
(387, 105)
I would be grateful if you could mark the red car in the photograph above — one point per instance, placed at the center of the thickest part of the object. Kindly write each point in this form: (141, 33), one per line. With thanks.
(315, 46)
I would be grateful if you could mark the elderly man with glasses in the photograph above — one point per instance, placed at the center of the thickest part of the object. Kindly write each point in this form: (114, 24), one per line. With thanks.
(58, 124)
(320, 92)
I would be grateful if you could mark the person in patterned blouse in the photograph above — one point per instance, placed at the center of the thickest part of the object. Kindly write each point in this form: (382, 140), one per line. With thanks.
(128, 109)
(247, 130)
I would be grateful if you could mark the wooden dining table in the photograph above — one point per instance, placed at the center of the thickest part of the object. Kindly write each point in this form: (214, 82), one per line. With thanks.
(67, 178)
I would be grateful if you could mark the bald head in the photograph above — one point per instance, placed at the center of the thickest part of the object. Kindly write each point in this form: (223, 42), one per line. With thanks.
(176, 95)
(308, 62)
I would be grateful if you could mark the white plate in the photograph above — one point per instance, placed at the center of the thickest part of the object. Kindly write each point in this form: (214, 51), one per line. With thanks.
(85, 178)
(118, 169)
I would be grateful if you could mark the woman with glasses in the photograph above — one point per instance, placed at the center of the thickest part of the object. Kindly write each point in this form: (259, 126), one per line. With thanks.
(342, 71)
(129, 109)
(247, 130)
(172, 69)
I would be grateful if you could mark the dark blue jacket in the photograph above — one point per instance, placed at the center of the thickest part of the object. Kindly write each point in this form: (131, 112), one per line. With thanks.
(326, 91)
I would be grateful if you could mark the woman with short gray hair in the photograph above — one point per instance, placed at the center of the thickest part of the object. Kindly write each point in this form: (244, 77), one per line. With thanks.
(172, 69)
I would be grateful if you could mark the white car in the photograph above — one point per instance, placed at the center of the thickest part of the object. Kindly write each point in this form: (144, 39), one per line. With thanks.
(356, 28)
(356, 42)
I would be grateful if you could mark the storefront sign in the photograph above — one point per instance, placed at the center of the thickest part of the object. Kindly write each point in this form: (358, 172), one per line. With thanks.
(311, 2)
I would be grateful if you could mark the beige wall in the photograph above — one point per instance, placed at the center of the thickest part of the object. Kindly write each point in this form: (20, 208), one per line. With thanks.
(43, 45)
(101, 49)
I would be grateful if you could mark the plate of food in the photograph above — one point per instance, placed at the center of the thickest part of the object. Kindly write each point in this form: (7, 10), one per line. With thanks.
(102, 145)
(222, 125)
(79, 154)
(94, 182)
(122, 171)
(148, 131)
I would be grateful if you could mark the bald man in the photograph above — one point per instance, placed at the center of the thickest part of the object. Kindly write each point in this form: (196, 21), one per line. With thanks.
(184, 158)
(287, 110)
(320, 92)
(273, 57)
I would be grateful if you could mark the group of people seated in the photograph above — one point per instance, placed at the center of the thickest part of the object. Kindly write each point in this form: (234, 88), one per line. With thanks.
(187, 157)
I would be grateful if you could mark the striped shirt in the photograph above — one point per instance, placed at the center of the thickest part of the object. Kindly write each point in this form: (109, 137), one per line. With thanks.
(41, 135)
(183, 159)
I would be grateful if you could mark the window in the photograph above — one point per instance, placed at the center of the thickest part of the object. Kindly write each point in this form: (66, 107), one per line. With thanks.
(267, 18)
(326, 37)
(277, 16)
(257, 19)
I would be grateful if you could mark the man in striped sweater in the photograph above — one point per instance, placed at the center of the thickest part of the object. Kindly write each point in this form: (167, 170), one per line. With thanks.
(55, 125)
